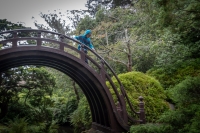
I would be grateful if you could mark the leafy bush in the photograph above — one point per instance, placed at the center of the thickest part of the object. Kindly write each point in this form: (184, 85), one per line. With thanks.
(21, 125)
(81, 118)
(63, 111)
(187, 92)
(16, 108)
(138, 84)
(18, 125)
(47, 127)
(186, 118)
(34, 129)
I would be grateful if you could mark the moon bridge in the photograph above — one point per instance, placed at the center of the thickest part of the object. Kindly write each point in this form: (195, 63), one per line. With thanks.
(45, 48)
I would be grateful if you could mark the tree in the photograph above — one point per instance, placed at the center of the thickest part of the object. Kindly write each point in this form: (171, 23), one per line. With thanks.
(117, 38)
(38, 83)
(35, 81)
(7, 25)
(54, 23)
(63, 23)
(181, 18)
(85, 23)
(76, 17)
(94, 5)
(8, 91)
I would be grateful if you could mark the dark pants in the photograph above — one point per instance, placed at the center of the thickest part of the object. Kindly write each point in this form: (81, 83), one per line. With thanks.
(86, 60)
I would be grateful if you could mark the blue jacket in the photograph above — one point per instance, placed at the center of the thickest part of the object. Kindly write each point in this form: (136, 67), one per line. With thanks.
(85, 40)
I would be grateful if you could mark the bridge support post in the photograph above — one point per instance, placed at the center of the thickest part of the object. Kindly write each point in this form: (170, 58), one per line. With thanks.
(141, 111)
(15, 39)
(39, 42)
(61, 44)
(121, 109)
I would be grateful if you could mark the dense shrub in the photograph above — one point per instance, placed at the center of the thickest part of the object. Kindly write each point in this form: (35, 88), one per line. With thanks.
(81, 118)
(138, 84)
(16, 108)
(63, 111)
(18, 126)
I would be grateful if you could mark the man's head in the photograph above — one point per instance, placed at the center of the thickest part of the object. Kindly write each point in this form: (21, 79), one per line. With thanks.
(88, 33)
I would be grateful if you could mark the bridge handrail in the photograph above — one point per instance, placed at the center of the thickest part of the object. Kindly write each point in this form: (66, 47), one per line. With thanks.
(123, 92)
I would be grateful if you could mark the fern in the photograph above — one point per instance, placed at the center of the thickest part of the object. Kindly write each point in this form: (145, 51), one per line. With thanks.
(18, 125)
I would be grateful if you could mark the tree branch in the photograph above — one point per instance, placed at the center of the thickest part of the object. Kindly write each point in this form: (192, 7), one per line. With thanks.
(110, 58)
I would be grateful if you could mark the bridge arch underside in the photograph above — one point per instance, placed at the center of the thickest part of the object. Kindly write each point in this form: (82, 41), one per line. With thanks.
(102, 113)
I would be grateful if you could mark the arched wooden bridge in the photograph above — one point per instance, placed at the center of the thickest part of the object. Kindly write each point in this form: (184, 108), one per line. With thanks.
(45, 48)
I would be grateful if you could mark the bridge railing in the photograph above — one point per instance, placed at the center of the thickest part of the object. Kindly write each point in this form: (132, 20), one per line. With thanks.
(44, 38)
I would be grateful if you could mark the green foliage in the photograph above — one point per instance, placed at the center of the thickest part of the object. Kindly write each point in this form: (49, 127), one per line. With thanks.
(172, 75)
(181, 17)
(7, 25)
(160, 33)
(66, 107)
(21, 125)
(92, 5)
(187, 92)
(81, 117)
(19, 109)
(138, 84)
(34, 129)
(48, 127)
(149, 46)
(150, 128)
(63, 111)
(64, 98)
(85, 23)
(34, 87)
(185, 119)
(18, 125)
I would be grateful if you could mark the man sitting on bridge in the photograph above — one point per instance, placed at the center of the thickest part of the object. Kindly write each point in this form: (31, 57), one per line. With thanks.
(85, 39)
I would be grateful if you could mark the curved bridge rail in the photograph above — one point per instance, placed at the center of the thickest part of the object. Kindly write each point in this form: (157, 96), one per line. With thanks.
(52, 40)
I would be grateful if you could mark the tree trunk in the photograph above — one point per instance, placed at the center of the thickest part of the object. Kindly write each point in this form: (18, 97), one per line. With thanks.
(76, 91)
(129, 65)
